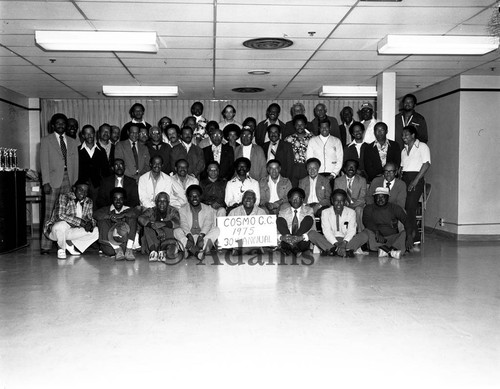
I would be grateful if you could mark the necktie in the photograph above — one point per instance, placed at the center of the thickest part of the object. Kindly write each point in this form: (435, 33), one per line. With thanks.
(338, 221)
(273, 149)
(136, 156)
(388, 185)
(295, 223)
(349, 190)
(64, 150)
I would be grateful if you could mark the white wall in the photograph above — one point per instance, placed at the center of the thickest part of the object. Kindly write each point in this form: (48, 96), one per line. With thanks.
(464, 139)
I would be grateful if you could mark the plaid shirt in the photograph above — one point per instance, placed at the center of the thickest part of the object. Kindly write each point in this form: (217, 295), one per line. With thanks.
(65, 210)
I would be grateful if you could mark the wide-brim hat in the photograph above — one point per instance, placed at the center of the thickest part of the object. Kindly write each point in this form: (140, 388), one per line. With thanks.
(229, 128)
(118, 234)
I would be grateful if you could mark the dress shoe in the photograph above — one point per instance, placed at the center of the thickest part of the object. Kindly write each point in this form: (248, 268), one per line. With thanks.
(129, 255)
(120, 256)
(161, 256)
(153, 256)
(200, 255)
(61, 254)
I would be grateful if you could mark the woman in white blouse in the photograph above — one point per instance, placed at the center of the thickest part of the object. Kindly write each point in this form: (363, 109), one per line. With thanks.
(415, 161)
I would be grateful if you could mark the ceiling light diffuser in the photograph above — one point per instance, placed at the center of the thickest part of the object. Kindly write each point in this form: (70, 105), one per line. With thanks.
(437, 45)
(347, 91)
(139, 91)
(97, 41)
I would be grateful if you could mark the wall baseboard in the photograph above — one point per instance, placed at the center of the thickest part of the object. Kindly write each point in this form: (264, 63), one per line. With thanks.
(464, 237)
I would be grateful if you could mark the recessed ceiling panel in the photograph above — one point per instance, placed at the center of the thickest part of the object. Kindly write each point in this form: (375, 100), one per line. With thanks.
(148, 12)
(168, 29)
(377, 31)
(249, 54)
(281, 30)
(33, 10)
(410, 15)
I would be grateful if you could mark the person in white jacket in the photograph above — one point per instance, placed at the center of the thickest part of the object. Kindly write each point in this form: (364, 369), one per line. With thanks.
(328, 149)
(153, 182)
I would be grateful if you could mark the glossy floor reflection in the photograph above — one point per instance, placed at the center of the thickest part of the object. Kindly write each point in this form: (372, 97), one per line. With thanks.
(429, 320)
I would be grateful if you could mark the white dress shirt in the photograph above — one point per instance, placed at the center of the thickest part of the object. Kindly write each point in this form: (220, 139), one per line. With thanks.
(419, 154)
(235, 189)
(149, 188)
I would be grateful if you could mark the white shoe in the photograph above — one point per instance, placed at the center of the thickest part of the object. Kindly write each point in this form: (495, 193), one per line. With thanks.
(71, 249)
(153, 256)
(61, 254)
(382, 253)
(359, 251)
(396, 254)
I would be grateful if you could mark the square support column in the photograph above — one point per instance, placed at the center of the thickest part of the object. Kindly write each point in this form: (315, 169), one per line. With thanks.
(386, 100)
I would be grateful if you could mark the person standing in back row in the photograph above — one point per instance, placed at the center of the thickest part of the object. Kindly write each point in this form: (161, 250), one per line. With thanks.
(59, 165)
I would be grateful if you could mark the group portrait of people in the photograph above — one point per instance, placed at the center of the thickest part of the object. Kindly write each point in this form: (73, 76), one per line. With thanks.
(157, 190)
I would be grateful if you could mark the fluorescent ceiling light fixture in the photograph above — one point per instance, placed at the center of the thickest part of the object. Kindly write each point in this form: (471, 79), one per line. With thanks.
(97, 41)
(437, 45)
(347, 91)
(137, 91)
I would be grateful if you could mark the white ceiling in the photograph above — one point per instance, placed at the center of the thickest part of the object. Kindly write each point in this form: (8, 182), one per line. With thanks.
(205, 57)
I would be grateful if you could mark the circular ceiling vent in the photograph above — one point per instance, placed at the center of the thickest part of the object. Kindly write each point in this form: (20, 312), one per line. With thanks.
(268, 43)
(248, 89)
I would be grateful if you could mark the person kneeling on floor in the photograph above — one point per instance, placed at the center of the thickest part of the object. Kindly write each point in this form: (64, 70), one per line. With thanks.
(381, 227)
(198, 231)
(160, 223)
(117, 226)
(71, 223)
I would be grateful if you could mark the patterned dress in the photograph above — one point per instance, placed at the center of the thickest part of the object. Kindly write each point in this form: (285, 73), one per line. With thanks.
(299, 147)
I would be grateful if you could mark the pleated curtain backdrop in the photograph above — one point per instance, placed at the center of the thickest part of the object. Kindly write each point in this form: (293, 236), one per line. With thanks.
(115, 111)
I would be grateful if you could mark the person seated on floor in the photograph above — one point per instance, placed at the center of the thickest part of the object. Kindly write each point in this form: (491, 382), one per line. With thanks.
(273, 188)
(71, 224)
(240, 183)
(397, 187)
(118, 179)
(355, 187)
(214, 189)
(338, 224)
(381, 227)
(117, 226)
(296, 230)
(198, 231)
(181, 180)
(316, 187)
(248, 207)
(159, 224)
(154, 182)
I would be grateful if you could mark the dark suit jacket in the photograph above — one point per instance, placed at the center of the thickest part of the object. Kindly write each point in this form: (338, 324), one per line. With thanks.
(164, 152)
(111, 157)
(257, 159)
(334, 127)
(343, 133)
(323, 189)
(284, 154)
(351, 152)
(417, 121)
(194, 157)
(93, 169)
(123, 150)
(124, 133)
(226, 161)
(52, 161)
(108, 184)
(371, 159)
(261, 130)
(397, 194)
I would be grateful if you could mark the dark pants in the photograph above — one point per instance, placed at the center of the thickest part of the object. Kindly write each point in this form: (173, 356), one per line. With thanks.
(105, 225)
(152, 242)
(412, 199)
(298, 172)
(304, 227)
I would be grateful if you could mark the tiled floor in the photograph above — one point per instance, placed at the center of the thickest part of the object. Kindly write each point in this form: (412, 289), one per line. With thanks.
(429, 320)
